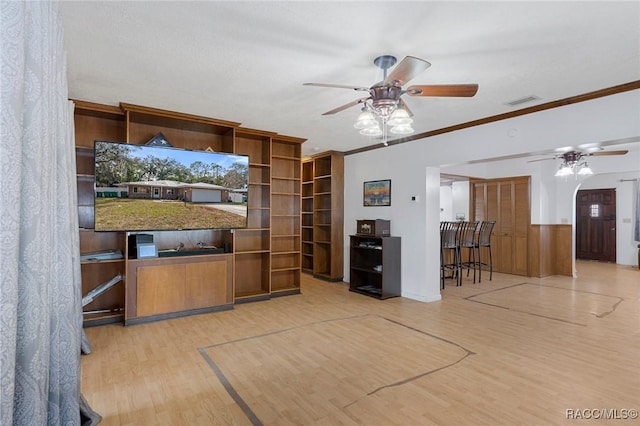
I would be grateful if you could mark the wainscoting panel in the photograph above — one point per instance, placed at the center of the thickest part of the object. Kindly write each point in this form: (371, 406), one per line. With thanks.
(550, 250)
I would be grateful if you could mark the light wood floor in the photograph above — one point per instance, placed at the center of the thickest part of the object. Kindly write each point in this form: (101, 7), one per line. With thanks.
(514, 350)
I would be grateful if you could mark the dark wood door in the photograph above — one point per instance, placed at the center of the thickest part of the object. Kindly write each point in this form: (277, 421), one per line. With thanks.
(596, 225)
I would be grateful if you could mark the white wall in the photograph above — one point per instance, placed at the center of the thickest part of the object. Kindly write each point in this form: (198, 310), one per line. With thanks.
(446, 203)
(460, 199)
(454, 200)
(410, 164)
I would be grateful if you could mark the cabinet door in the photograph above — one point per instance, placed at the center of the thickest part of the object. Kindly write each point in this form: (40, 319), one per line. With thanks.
(505, 227)
(207, 284)
(479, 202)
(521, 220)
(160, 289)
(507, 202)
(493, 213)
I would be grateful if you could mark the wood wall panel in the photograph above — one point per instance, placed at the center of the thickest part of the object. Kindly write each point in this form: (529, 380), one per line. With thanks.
(550, 250)
(520, 255)
(562, 248)
(535, 263)
(521, 219)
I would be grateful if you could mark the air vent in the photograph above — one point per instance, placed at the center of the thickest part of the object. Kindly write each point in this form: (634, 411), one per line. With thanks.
(524, 100)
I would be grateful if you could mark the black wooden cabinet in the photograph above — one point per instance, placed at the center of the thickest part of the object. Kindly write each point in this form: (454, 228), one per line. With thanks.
(375, 266)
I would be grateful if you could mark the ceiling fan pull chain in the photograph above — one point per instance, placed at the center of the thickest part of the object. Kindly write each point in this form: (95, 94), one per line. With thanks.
(384, 132)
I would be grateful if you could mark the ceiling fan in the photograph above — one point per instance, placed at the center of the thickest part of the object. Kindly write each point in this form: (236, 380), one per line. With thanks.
(384, 97)
(572, 161)
(575, 156)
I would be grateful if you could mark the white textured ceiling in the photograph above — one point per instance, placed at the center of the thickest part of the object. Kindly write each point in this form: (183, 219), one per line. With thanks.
(246, 61)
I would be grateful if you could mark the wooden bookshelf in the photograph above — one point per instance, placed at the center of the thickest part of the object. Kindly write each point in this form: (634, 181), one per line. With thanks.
(307, 216)
(375, 266)
(252, 245)
(263, 260)
(322, 216)
(285, 216)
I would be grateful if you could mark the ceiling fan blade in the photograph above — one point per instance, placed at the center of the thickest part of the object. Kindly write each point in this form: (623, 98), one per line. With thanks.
(403, 104)
(408, 68)
(460, 90)
(542, 159)
(337, 86)
(598, 153)
(345, 106)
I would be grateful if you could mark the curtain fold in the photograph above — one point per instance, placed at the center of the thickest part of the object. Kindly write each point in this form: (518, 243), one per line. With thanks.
(40, 293)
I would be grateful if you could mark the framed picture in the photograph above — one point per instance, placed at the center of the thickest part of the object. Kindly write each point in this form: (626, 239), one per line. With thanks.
(377, 193)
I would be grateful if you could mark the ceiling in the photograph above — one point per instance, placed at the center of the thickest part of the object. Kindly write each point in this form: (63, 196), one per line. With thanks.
(246, 61)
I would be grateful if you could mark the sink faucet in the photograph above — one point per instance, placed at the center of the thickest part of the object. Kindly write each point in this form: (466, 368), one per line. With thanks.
(180, 246)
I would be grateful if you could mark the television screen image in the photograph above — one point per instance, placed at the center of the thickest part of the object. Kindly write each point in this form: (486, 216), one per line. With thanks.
(147, 188)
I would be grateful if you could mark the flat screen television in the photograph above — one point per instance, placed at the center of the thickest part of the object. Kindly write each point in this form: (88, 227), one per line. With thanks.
(149, 188)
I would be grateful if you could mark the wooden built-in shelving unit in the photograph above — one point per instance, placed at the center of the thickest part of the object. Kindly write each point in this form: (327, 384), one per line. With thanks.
(322, 216)
(263, 260)
(285, 220)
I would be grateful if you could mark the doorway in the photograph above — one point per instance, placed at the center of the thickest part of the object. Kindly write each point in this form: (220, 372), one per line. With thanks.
(596, 225)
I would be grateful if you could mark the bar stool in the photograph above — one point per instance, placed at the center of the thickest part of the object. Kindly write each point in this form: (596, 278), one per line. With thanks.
(484, 240)
(467, 240)
(449, 252)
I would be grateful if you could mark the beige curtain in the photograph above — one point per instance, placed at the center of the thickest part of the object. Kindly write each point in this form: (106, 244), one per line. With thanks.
(40, 300)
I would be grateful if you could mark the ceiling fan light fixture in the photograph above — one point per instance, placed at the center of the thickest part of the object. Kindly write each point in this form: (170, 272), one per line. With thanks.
(365, 120)
(403, 129)
(399, 117)
(585, 170)
(371, 131)
(564, 170)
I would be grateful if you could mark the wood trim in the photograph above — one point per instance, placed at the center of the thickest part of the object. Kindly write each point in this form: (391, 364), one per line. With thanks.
(292, 139)
(324, 154)
(255, 132)
(85, 105)
(500, 179)
(177, 115)
(633, 85)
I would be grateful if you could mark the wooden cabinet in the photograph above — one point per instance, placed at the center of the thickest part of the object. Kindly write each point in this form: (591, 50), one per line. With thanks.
(161, 288)
(375, 266)
(507, 201)
(264, 257)
(322, 216)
